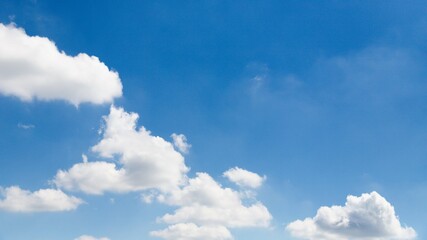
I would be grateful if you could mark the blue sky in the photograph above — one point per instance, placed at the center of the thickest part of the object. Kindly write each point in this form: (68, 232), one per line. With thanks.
(324, 99)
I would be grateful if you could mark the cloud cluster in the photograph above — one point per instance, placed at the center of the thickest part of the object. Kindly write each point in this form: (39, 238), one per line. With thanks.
(204, 205)
(144, 161)
(205, 210)
(45, 200)
(32, 67)
(368, 217)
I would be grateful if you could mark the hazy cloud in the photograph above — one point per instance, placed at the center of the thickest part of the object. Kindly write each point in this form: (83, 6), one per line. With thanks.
(87, 237)
(25, 126)
(180, 142)
(190, 231)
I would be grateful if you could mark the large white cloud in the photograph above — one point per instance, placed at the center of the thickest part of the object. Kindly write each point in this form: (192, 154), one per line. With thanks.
(32, 67)
(88, 237)
(244, 178)
(190, 231)
(368, 217)
(204, 203)
(144, 161)
(45, 200)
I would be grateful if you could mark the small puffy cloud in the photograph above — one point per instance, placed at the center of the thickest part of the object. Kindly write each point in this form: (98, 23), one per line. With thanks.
(190, 231)
(244, 178)
(368, 217)
(32, 67)
(45, 200)
(204, 203)
(87, 237)
(144, 161)
(180, 142)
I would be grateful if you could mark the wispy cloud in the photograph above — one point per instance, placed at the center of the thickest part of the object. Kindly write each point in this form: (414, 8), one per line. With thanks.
(88, 237)
(180, 142)
(25, 126)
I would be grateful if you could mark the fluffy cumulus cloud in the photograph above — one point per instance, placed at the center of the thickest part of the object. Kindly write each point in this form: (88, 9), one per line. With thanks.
(180, 142)
(368, 217)
(16, 199)
(190, 231)
(203, 204)
(144, 161)
(32, 67)
(87, 237)
(244, 178)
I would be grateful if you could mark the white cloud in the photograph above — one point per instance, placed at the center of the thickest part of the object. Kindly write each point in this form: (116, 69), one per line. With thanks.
(190, 231)
(148, 197)
(180, 142)
(368, 217)
(144, 161)
(32, 67)
(45, 200)
(204, 203)
(93, 178)
(244, 178)
(87, 237)
(26, 126)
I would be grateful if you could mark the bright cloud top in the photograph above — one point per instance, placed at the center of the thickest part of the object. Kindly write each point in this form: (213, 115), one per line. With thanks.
(368, 217)
(32, 67)
(180, 142)
(145, 161)
(44, 200)
(87, 237)
(244, 178)
(205, 205)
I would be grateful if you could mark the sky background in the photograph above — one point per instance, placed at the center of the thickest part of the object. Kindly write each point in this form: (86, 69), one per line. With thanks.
(326, 99)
